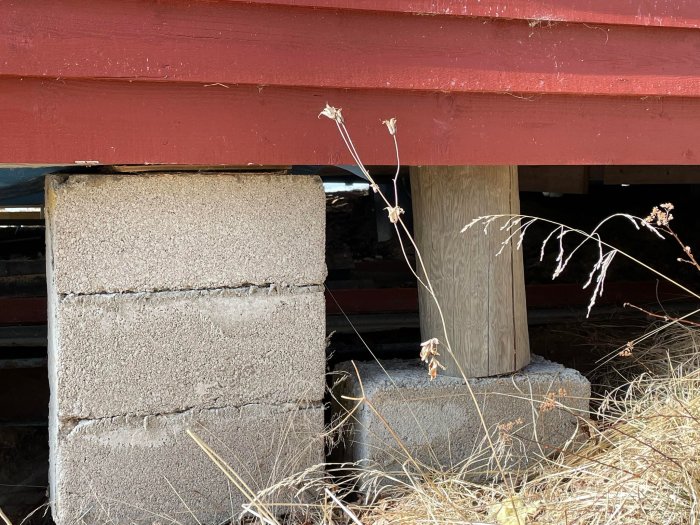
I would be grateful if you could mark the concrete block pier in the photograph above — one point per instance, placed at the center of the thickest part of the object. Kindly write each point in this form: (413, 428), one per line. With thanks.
(529, 415)
(181, 301)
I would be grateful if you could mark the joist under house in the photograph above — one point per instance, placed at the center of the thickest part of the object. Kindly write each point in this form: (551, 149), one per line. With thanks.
(172, 151)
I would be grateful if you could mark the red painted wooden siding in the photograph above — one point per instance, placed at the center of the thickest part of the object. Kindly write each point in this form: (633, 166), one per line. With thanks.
(113, 122)
(539, 296)
(272, 46)
(229, 82)
(661, 13)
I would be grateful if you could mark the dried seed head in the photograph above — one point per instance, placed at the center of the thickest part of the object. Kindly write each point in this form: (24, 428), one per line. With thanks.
(627, 350)
(505, 430)
(332, 113)
(433, 366)
(394, 213)
(391, 125)
(551, 400)
(428, 354)
(429, 349)
(660, 215)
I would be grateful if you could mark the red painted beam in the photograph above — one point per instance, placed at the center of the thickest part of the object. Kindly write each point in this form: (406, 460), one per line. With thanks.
(262, 45)
(371, 300)
(22, 310)
(61, 122)
(539, 296)
(616, 293)
(660, 13)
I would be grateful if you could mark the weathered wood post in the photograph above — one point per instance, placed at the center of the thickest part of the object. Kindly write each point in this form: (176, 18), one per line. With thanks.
(482, 295)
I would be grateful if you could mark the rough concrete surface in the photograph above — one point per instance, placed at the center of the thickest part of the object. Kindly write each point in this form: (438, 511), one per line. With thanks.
(165, 352)
(119, 470)
(119, 233)
(438, 422)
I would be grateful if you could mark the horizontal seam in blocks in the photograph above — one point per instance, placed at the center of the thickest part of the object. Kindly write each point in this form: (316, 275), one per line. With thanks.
(245, 290)
(79, 422)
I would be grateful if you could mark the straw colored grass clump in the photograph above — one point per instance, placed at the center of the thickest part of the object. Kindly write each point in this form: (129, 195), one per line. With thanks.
(638, 464)
(641, 464)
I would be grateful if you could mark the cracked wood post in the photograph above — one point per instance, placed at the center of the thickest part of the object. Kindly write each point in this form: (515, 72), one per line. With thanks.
(482, 295)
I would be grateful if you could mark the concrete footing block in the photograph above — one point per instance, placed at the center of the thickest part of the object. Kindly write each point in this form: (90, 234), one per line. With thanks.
(136, 470)
(181, 301)
(151, 353)
(529, 414)
(123, 233)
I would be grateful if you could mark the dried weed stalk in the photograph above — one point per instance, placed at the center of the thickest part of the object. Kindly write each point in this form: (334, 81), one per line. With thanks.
(657, 223)
(640, 465)
(633, 469)
(394, 211)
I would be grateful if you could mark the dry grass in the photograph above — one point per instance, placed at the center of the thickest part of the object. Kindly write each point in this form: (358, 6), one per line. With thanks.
(640, 465)
(641, 462)
(672, 350)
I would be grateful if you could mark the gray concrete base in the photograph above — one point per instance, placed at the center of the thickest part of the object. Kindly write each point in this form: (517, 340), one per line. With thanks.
(529, 415)
(181, 301)
(165, 352)
(147, 470)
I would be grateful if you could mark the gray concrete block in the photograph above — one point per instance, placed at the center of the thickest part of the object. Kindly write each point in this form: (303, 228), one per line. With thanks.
(439, 424)
(118, 233)
(164, 352)
(147, 470)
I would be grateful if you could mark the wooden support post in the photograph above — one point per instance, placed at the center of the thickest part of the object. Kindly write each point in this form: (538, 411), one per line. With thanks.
(482, 295)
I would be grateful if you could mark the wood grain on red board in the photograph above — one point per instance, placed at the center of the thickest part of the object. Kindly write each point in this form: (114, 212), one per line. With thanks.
(238, 43)
(661, 13)
(66, 122)
(233, 82)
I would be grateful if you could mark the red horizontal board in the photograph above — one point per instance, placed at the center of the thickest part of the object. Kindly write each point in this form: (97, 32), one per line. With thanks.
(22, 310)
(616, 293)
(236, 43)
(371, 300)
(539, 296)
(62, 122)
(662, 13)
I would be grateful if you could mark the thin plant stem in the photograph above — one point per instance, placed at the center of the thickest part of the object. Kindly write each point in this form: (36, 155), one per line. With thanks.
(426, 284)
(344, 508)
(4, 518)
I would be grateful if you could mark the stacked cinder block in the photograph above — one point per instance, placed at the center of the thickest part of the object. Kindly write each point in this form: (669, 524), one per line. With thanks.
(181, 301)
